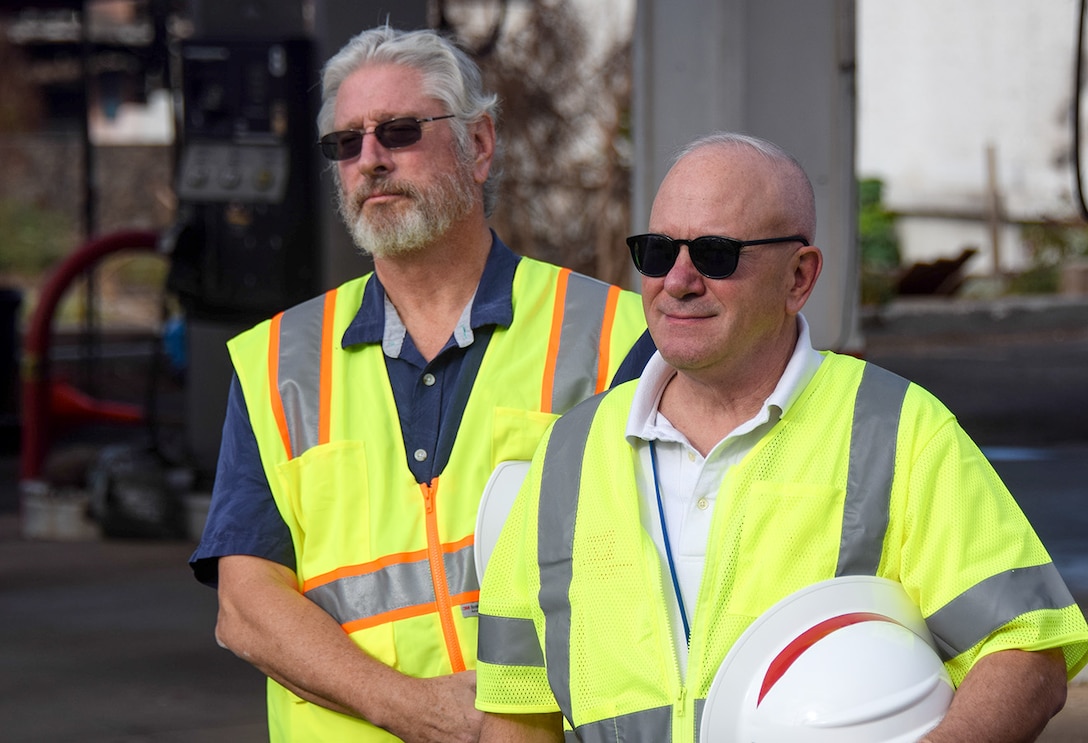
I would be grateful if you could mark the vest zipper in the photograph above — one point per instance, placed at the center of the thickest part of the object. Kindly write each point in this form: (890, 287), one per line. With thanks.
(443, 602)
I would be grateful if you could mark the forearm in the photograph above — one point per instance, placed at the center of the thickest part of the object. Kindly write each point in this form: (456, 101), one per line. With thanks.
(543, 728)
(259, 609)
(1007, 697)
(265, 620)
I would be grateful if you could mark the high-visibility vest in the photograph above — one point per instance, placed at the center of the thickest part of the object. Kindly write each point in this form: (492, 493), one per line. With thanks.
(395, 568)
(864, 474)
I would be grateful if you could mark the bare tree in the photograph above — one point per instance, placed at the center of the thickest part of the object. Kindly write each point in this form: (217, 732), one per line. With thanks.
(566, 165)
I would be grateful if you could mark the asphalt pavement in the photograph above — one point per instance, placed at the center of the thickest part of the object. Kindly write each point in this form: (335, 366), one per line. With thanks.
(110, 640)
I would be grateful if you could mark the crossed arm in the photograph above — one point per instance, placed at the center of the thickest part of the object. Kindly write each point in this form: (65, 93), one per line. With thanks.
(1007, 697)
(264, 620)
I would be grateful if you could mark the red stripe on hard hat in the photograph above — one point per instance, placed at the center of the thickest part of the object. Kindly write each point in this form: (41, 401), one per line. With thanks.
(807, 639)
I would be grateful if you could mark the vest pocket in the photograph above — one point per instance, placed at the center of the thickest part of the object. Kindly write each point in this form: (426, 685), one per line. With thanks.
(323, 498)
(788, 538)
(516, 433)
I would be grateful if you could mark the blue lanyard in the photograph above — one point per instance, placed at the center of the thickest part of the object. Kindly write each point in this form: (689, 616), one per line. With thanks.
(668, 546)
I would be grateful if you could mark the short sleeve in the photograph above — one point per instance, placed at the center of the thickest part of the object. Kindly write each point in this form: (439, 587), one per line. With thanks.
(243, 518)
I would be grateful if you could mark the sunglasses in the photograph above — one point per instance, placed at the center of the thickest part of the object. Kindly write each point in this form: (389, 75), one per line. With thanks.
(392, 134)
(713, 256)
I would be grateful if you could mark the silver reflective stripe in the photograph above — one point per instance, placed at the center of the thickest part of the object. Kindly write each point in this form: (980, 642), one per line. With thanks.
(873, 436)
(579, 342)
(557, 509)
(394, 587)
(878, 402)
(299, 379)
(700, 705)
(460, 570)
(970, 617)
(508, 642)
(645, 726)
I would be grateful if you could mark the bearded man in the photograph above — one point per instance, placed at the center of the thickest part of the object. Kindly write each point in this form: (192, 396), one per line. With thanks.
(362, 425)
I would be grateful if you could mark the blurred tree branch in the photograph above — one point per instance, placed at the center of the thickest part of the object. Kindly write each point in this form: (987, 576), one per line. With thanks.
(566, 163)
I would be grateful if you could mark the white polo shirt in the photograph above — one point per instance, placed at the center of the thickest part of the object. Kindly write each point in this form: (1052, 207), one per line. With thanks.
(688, 482)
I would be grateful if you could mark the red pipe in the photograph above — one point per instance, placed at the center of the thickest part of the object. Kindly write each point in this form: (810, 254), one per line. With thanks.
(42, 399)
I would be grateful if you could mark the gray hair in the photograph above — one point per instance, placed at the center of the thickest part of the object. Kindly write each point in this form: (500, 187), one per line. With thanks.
(804, 206)
(449, 75)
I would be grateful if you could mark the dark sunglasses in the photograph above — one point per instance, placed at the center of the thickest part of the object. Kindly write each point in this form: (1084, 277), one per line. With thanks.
(347, 144)
(714, 257)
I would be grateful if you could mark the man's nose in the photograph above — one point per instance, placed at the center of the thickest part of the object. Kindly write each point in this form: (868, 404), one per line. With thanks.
(373, 157)
(683, 278)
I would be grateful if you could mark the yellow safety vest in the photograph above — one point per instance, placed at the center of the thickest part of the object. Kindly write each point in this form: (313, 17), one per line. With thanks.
(864, 474)
(396, 569)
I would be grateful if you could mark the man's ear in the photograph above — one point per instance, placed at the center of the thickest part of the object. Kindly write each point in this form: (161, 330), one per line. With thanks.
(806, 265)
(483, 139)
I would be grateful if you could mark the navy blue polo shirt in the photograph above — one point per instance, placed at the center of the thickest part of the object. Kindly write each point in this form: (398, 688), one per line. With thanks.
(243, 517)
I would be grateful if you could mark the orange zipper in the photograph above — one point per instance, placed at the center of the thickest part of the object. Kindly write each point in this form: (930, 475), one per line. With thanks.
(444, 603)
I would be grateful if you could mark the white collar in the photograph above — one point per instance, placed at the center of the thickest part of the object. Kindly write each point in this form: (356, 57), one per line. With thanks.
(644, 423)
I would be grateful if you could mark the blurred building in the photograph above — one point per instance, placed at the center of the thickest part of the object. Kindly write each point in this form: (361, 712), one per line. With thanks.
(965, 114)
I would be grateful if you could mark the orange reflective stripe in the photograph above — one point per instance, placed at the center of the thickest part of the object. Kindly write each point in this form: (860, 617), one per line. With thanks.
(467, 597)
(273, 382)
(327, 324)
(365, 568)
(547, 384)
(609, 319)
(408, 612)
(451, 547)
(399, 558)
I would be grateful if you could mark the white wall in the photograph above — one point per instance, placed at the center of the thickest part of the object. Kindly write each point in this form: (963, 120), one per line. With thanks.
(940, 82)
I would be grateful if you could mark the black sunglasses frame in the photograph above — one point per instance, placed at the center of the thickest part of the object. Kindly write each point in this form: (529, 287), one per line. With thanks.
(346, 144)
(704, 251)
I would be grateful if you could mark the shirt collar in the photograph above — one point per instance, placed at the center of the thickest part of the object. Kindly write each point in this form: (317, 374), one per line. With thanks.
(642, 422)
(377, 321)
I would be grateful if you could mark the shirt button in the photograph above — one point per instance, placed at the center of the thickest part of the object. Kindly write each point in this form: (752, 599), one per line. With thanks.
(420, 455)
(702, 504)
(428, 379)
(691, 456)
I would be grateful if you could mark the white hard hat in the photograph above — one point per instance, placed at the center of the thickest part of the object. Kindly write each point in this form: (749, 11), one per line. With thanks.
(495, 504)
(847, 660)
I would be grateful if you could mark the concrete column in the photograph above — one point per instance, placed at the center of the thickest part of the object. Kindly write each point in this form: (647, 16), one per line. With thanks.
(776, 69)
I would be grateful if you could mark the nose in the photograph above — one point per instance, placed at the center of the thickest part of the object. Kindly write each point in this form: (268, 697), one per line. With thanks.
(373, 157)
(683, 279)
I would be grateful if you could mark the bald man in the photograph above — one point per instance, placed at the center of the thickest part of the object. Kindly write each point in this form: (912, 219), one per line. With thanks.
(659, 520)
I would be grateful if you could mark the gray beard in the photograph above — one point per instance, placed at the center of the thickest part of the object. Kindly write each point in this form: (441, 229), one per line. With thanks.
(403, 228)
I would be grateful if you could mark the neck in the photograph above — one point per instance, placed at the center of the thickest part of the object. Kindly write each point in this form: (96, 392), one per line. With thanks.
(430, 287)
(706, 406)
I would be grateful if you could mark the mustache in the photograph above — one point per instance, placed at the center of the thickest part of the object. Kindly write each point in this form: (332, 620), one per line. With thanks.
(381, 187)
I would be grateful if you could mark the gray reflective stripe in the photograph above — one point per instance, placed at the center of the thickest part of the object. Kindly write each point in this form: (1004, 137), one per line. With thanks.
(508, 642)
(579, 342)
(645, 726)
(394, 587)
(871, 470)
(557, 509)
(299, 380)
(970, 617)
(460, 569)
(700, 705)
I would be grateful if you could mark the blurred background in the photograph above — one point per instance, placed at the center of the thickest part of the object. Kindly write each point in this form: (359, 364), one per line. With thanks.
(160, 191)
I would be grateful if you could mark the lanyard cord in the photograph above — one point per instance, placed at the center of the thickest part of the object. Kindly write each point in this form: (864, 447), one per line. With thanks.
(668, 547)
